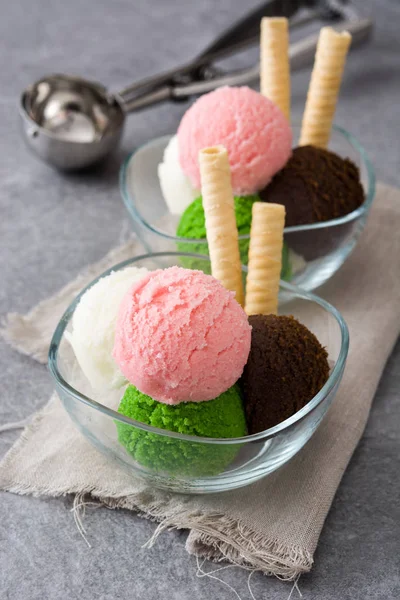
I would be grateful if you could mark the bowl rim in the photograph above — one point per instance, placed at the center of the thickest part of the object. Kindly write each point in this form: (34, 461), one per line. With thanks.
(333, 378)
(130, 204)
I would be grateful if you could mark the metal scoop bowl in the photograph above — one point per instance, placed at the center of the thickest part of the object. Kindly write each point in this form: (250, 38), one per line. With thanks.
(70, 122)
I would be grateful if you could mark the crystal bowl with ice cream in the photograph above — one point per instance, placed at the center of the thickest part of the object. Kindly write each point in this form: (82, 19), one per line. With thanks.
(316, 251)
(326, 182)
(92, 387)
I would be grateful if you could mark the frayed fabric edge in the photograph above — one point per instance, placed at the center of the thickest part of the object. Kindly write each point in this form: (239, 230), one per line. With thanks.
(208, 534)
(212, 536)
(218, 538)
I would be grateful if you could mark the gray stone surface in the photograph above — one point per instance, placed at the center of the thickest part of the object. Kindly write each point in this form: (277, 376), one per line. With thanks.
(52, 225)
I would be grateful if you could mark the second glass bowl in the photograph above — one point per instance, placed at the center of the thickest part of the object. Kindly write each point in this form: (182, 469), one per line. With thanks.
(193, 464)
(316, 251)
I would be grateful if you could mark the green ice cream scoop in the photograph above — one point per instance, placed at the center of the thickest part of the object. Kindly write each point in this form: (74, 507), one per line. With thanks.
(222, 417)
(192, 225)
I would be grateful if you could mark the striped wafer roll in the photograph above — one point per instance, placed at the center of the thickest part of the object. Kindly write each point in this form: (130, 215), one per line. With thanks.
(265, 258)
(274, 62)
(219, 210)
(323, 91)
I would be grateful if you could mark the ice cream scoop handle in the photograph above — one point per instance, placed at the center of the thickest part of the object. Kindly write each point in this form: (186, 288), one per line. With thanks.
(245, 29)
(240, 35)
(301, 54)
(146, 99)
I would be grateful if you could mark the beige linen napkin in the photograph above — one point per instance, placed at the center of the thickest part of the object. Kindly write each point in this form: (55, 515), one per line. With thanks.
(273, 525)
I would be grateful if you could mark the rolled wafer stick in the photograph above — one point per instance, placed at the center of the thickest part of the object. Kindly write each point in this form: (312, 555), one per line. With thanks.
(323, 91)
(219, 211)
(265, 258)
(274, 62)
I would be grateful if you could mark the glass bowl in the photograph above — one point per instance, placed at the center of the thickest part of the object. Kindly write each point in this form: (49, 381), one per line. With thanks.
(316, 251)
(193, 464)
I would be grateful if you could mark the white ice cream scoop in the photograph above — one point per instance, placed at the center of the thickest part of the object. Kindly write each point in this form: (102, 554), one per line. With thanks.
(93, 328)
(177, 190)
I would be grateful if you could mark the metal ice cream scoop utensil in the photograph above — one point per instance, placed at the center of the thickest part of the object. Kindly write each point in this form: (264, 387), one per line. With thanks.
(72, 123)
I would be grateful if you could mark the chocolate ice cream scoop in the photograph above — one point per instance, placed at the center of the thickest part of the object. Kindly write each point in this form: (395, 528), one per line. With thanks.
(315, 185)
(286, 368)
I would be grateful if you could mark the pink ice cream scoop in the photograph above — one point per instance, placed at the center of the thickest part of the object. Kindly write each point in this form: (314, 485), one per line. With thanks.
(181, 336)
(252, 128)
